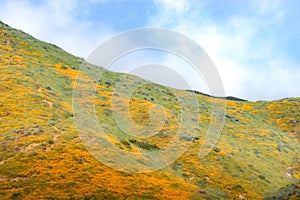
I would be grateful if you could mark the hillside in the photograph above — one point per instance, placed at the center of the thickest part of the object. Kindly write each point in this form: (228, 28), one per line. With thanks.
(43, 157)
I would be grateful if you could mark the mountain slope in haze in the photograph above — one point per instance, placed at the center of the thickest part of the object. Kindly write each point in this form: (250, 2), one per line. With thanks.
(42, 156)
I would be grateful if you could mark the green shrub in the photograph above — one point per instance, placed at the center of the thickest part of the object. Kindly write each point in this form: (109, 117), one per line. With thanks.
(291, 191)
(143, 145)
(48, 87)
(16, 195)
(50, 141)
(125, 142)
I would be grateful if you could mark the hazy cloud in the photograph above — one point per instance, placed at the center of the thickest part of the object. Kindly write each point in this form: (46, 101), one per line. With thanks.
(56, 22)
(244, 49)
(247, 41)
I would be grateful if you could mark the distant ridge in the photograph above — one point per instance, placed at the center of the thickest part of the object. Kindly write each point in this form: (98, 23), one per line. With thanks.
(227, 97)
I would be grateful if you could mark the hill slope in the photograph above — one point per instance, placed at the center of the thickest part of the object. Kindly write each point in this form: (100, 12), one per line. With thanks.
(42, 156)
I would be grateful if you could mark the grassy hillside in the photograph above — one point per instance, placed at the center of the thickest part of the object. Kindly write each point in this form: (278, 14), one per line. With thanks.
(42, 156)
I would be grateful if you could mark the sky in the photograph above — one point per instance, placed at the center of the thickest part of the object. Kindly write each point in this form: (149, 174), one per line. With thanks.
(255, 44)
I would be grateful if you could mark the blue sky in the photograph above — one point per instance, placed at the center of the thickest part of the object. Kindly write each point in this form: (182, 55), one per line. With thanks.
(254, 44)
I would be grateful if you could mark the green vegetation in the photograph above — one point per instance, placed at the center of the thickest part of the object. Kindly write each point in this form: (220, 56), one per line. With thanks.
(143, 145)
(42, 156)
(291, 191)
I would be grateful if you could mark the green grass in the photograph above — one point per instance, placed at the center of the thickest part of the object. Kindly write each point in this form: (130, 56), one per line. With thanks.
(41, 147)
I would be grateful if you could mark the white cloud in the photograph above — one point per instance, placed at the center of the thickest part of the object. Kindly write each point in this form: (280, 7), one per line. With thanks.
(55, 22)
(168, 12)
(249, 64)
(275, 80)
(176, 5)
(267, 6)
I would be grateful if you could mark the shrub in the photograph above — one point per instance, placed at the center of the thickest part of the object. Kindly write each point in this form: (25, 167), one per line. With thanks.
(50, 141)
(237, 187)
(48, 87)
(291, 191)
(16, 195)
(125, 142)
(143, 145)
